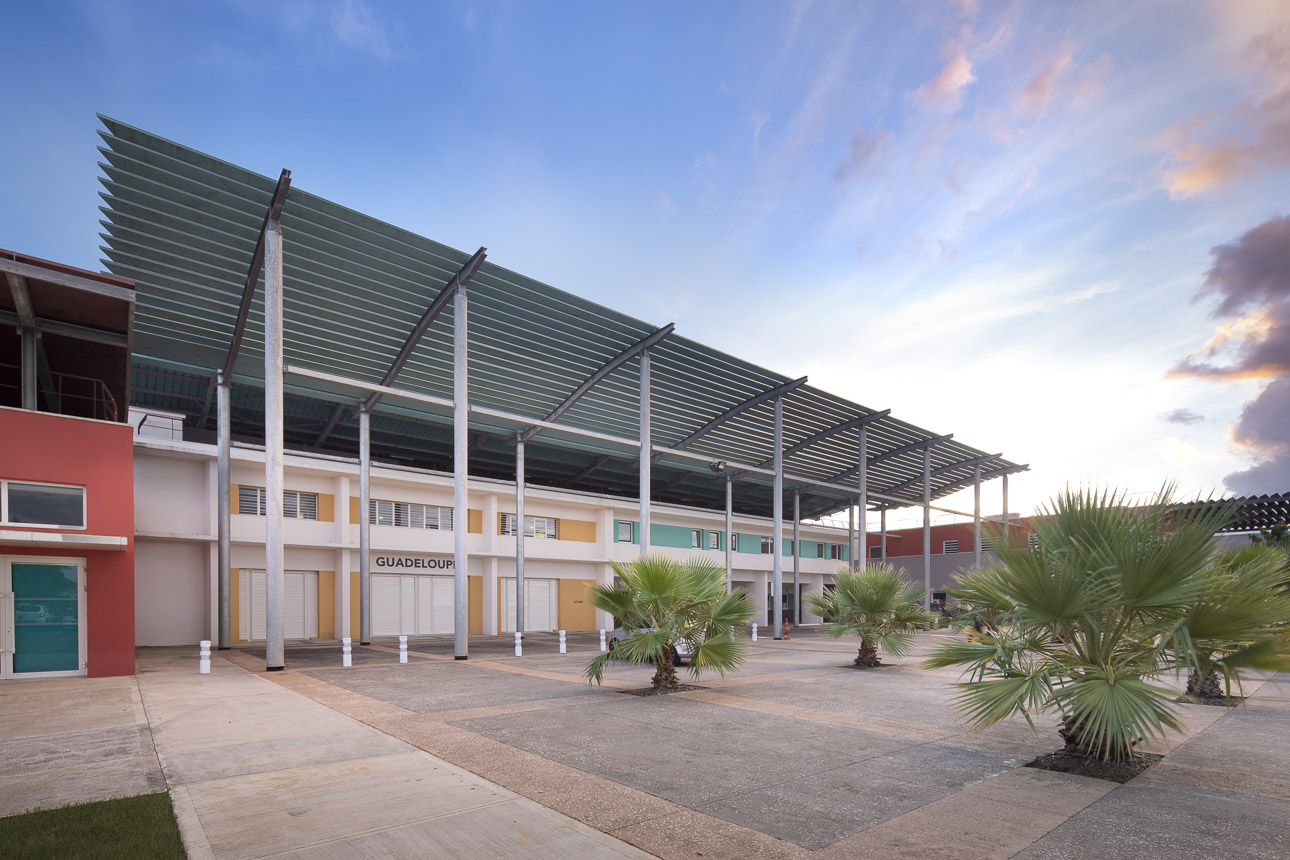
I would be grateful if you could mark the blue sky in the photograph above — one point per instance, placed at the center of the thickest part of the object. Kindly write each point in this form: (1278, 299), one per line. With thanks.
(996, 219)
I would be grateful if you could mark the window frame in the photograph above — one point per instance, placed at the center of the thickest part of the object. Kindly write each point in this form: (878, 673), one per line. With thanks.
(767, 545)
(618, 531)
(714, 540)
(696, 538)
(409, 513)
(5, 507)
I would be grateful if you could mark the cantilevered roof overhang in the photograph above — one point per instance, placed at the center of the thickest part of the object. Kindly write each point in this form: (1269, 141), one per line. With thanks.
(183, 226)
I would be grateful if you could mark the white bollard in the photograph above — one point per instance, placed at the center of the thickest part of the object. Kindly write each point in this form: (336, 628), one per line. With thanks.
(204, 658)
(403, 649)
(346, 655)
(602, 639)
(519, 648)
(562, 642)
(754, 631)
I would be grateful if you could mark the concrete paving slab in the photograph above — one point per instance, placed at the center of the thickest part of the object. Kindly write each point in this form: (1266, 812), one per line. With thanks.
(256, 769)
(1150, 818)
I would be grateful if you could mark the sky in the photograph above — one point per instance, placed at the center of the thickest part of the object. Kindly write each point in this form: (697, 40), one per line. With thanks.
(1058, 231)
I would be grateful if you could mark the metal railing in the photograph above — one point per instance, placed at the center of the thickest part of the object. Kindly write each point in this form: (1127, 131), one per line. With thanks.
(85, 396)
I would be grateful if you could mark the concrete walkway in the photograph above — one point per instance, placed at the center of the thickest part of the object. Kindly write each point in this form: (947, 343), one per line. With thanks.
(257, 770)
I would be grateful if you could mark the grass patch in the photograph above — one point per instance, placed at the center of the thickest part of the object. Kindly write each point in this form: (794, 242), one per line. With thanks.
(131, 828)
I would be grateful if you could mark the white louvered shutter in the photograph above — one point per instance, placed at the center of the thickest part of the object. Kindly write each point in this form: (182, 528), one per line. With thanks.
(385, 604)
(442, 614)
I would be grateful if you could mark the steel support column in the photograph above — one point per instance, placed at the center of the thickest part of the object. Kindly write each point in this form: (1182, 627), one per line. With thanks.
(274, 646)
(460, 505)
(777, 539)
(976, 515)
(927, 527)
(882, 525)
(224, 506)
(797, 557)
(851, 537)
(730, 535)
(29, 348)
(1005, 509)
(364, 526)
(519, 534)
(863, 519)
(646, 451)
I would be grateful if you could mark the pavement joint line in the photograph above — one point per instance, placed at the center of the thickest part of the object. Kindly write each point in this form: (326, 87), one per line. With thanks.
(191, 830)
(551, 676)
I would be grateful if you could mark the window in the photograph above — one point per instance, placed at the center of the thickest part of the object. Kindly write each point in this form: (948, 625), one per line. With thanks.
(734, 543)
(1032, 541)
(295, 505)
(714, 540)
(835, 551)
(767, 546)
(696, 538)
(406, 515)
(875, 552)
(821, 550)
(42, 505)
(624, 534)
(950, 546)
(534, 527)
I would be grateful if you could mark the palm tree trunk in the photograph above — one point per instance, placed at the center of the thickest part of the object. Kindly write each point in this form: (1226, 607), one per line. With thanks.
(1073, 733)
(1212, 688)
(665, 674)
(868, 656)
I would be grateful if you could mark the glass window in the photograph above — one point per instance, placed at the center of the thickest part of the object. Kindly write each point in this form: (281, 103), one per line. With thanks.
(696, 538)
(624, 531)
(41, 504)
(875, 552)
(767, 546)
(714, 540)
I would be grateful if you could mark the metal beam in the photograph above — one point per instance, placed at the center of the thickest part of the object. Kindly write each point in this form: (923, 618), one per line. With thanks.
(894, 452)
(71, 330)
(962, 464)
(777, 535)
(967, 482)
(797, 557)
(450, 289)
(738, 409)
(825, 434)
(729, 533)
(976, 515)
(21, 299)
(519, 537)
(862, 559)
(604, 370)
(927, 527)
(587, 470)
(65, 279)
(365, 528)
(460, 474)
(275, 532)
(646, 441)
(224, 504)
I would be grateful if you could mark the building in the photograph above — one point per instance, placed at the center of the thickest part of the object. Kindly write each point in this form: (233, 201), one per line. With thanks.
(294, 364)
(66, 474)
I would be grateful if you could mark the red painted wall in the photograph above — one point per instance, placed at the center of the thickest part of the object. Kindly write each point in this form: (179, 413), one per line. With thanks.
(36, 446)
(910, 541)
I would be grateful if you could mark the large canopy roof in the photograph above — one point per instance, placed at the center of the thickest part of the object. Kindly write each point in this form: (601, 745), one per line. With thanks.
(184, 225)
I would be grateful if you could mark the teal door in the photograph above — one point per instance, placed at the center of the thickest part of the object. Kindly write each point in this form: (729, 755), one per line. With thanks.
(44, 630)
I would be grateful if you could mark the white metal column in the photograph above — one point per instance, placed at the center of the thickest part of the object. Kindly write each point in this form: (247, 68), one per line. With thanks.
(927, 527)
(730, 536)
(976, 515)
(224, 502)
(862, 521)
(1005, 509)
(777, 539)
(460, 506)
(882, 525)
(647, 451)
(274, 571)
(519, 535)
(851, 536)
(364, 527)
(797, 557)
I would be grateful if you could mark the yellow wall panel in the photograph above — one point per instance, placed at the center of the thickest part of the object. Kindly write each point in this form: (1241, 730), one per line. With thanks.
(353, 510)
(326, 604)
(475, 521)
(326, 508)
(575, 612)
(475, 604)
(579, 530)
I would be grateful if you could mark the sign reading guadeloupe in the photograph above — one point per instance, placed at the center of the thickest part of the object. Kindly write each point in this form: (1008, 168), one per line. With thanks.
(411, 562)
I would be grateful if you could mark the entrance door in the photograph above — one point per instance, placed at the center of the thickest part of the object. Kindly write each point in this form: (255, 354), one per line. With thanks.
(299, 604)
(539, 604)
(786, 599)
(42, 613)
(411, 604)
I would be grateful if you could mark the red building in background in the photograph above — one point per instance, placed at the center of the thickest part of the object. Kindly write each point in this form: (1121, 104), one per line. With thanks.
(66, 472)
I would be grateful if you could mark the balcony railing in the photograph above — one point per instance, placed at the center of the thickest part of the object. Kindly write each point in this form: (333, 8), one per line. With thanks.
(83, 396)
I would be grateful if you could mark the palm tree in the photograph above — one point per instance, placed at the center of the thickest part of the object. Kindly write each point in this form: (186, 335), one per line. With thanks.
(1237, 619)
(877, 604)
(662, 603)
(1097, 612)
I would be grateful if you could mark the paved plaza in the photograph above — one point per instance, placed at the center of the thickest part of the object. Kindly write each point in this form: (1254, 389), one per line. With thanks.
(798, 755)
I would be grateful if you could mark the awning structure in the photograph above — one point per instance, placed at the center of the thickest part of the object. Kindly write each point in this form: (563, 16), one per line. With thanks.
(184, 227)
(1248, 513)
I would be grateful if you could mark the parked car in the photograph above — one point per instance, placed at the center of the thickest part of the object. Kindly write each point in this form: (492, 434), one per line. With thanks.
(30, 613)
(680, 651)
